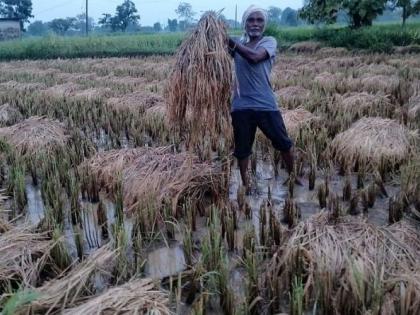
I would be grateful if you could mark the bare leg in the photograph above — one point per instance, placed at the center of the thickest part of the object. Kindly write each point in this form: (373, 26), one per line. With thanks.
(243, 167)
(289, 161)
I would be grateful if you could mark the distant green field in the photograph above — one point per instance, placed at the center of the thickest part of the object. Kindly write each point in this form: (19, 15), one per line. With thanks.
(93, 46)
(378, 38)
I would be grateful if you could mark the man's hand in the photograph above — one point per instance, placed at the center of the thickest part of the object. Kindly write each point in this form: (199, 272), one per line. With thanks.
(251, 55)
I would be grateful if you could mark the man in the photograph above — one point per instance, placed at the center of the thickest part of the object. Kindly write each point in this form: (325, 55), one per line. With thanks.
(254, 104)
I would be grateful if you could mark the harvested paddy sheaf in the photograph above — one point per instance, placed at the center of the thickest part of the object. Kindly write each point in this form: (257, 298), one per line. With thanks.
(365, 104)
(305, 47)
(136, 102)
(346, 266)
(22, 86)
(154, 177)
(71, 288)
(199, 88)
(380, 83)
(296, 119)
(135, 297)
(36, 135)
(329, 82)
(23, 254)
(63, 90)
(375, 142)
(333, 51)
(293, 96)
(9, 115)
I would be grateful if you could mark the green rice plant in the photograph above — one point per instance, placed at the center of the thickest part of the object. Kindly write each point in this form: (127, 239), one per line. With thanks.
(188, 245)
(59, 252)
(16, 186)
(17, 299)
(297, 297)
(250, 262)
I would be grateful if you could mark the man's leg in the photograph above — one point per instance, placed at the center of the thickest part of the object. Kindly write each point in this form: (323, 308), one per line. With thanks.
(243, 168)
(289, 161)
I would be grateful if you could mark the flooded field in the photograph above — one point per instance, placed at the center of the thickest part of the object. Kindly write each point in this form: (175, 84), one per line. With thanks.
(102, 204)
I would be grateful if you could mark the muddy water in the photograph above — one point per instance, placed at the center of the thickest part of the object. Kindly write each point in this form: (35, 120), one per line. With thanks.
(164, 262)
(35, 208)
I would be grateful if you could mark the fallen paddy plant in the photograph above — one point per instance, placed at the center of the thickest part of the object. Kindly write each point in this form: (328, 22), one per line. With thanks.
(199, 87)
(139, 296)
(372, 141)
(346, 267)
(23, 255)
(72, 287)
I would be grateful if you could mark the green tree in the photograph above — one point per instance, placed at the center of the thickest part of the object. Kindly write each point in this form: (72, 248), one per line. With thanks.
(408, 8)
(274, 14)
(360, 12)
(157, 27)
(61, 26)
(173, 25)
(125, 16)
(38, 28)
(185, 14)
(320, 11)
(81, 23)
(20, 9)
(289, 17)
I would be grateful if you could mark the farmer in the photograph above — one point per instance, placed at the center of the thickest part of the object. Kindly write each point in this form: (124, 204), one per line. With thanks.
(254, 104)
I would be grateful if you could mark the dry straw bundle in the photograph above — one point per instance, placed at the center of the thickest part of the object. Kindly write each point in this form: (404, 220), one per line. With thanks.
(23, 253)
(305, 47)
(374, 142)
(347, 267)
(155, 176)
(9, 115)
(366, 104)
(135, 297)
(70, 289)
(36, 135)
(199, 87)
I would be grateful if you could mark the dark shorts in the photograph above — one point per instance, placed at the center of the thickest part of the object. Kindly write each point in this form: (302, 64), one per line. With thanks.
(245, 123)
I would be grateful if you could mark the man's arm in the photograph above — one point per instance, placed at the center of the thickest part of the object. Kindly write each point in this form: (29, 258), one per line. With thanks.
(251, 55)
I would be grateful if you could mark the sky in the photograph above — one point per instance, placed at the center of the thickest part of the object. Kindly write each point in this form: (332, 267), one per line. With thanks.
(150, 11)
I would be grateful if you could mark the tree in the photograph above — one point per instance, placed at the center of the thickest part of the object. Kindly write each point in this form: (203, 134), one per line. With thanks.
(363, 12)
(157, 27)
(81, 23)
(320, 11)
(360, 12)
(125, 16)
(61, 26)
(185, 14)
(20, 9)
(38, 28)
(274, 14)
(408, 7)
(173, 25)
(289, 17)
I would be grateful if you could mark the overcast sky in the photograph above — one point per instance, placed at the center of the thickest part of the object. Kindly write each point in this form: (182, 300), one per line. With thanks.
(150, 11)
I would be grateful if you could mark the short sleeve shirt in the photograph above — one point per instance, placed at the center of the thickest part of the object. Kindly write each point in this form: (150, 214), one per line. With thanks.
(253, 89)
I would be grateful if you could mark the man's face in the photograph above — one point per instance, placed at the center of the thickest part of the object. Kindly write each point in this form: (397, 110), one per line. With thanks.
(255, 25)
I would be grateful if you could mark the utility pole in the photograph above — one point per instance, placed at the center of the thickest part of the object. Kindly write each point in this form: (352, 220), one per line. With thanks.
(87, 19)
(236, 16)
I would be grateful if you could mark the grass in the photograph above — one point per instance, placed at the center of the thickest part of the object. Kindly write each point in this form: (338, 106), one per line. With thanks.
(380, 37)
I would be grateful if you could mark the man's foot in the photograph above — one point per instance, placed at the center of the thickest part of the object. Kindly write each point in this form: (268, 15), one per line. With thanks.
(298, 181)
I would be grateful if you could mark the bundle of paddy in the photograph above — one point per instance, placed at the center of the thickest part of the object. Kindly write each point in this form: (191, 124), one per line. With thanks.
(71, 288)
(375, 142)
(293, 96)
(9, 115)
(379, 83)
(305, 47)
(347, 267)
(23, 254)
(36, 135)
(63, 90)
(365, 104)
(410, 49)
(138, 296)
(154, 177)
(333, 51)
(94, 93)
(136, 102)
(329, 82)
(22, 87)
(414, 109)
(199, 88)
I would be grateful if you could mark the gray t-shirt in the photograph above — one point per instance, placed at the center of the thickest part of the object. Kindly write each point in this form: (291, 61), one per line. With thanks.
(253, 88)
